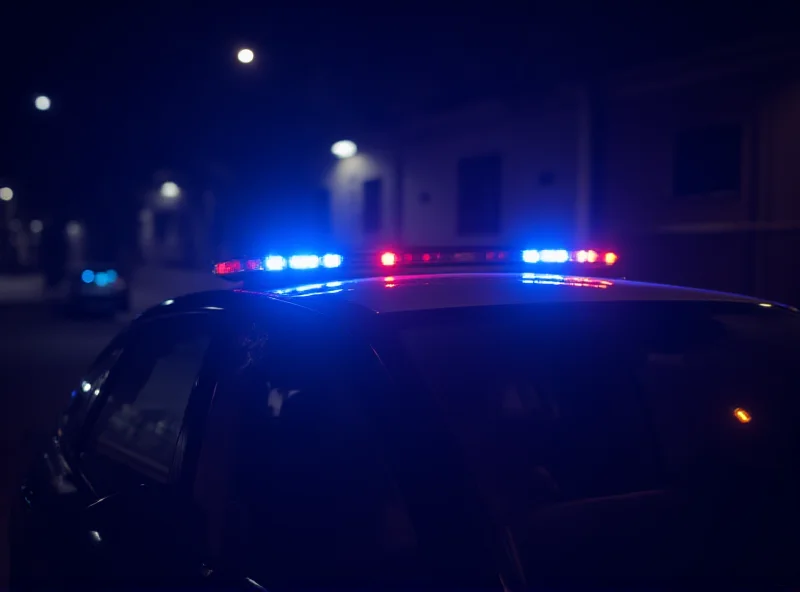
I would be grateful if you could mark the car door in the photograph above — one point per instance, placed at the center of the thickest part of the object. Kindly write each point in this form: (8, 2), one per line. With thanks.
(291, 476)
(53, 493)
(306, 479)
(131, 454)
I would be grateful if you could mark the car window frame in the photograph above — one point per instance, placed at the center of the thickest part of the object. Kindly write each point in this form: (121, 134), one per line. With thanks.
(199, 396)
(71, 433)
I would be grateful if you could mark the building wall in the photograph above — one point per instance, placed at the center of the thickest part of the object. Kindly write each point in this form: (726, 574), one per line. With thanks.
(741, 241)
(779, 164)
(736, 242)
(779, 118)
(538, 146)
(176, 233)
(345, 183)
(641, 132)
(640, 209)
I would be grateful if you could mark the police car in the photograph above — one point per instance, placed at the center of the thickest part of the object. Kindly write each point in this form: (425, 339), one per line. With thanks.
(454, 419)
(95, 288)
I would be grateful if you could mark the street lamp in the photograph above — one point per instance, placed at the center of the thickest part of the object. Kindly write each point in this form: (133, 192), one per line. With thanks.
(6, 194)
(74, 229)
(344, 149)
(170, 190)
(42, 102)
(245, 55)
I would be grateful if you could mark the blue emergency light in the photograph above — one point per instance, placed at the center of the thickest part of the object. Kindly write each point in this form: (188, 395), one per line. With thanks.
(419, 260)
(100, 278)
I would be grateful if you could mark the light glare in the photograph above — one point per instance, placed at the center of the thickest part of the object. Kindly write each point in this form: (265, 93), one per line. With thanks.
(530, 256)
(74, 229)
(344, 149)
(42, 103)
(245, 56)
(304, 262)
(6, 194)
(331, 260)
(170, 190)
(555, 256)
(275, 263)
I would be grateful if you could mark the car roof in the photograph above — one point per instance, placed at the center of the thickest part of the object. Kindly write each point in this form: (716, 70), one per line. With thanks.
(457, 290)
(367, 297)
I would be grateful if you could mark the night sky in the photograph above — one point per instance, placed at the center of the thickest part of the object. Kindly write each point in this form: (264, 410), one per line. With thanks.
(157, 86)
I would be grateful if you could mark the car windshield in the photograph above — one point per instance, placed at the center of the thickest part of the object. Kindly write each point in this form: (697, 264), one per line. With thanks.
(573, 401)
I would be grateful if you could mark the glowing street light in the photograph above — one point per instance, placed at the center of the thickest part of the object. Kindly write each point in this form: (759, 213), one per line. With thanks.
(344, 149)
(6, 194)
(74, 229)
(245, 56)
(42, 102)
(170, 190)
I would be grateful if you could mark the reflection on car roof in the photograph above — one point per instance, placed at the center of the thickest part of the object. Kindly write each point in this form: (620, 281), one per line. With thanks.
(423, 292)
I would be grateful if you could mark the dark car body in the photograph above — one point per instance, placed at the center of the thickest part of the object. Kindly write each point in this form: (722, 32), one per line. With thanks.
(355, 434)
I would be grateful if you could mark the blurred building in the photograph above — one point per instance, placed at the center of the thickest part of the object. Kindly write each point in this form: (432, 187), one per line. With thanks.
(689, 169)
(175, 226)
(489, 173)
(697, 170)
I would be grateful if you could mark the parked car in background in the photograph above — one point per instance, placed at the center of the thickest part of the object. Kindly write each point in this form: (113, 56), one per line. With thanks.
(96, 288)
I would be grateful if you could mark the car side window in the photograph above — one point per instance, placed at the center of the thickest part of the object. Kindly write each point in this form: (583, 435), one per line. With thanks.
(540, 426)
(299, 492)
(136, 431)
(82, 398)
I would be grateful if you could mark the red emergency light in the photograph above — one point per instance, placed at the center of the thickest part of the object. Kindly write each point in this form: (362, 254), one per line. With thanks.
(388, 259)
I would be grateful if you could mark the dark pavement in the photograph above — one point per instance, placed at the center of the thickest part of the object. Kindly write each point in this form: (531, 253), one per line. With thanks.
(41, 359)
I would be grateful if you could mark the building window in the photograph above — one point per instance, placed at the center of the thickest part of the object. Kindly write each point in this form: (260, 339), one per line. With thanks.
(372, 205)
(480, 181)
(708, 161)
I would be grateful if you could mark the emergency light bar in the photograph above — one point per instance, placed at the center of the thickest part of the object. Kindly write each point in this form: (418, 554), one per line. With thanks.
(279, 263)
(474, 257)
(420, 260)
